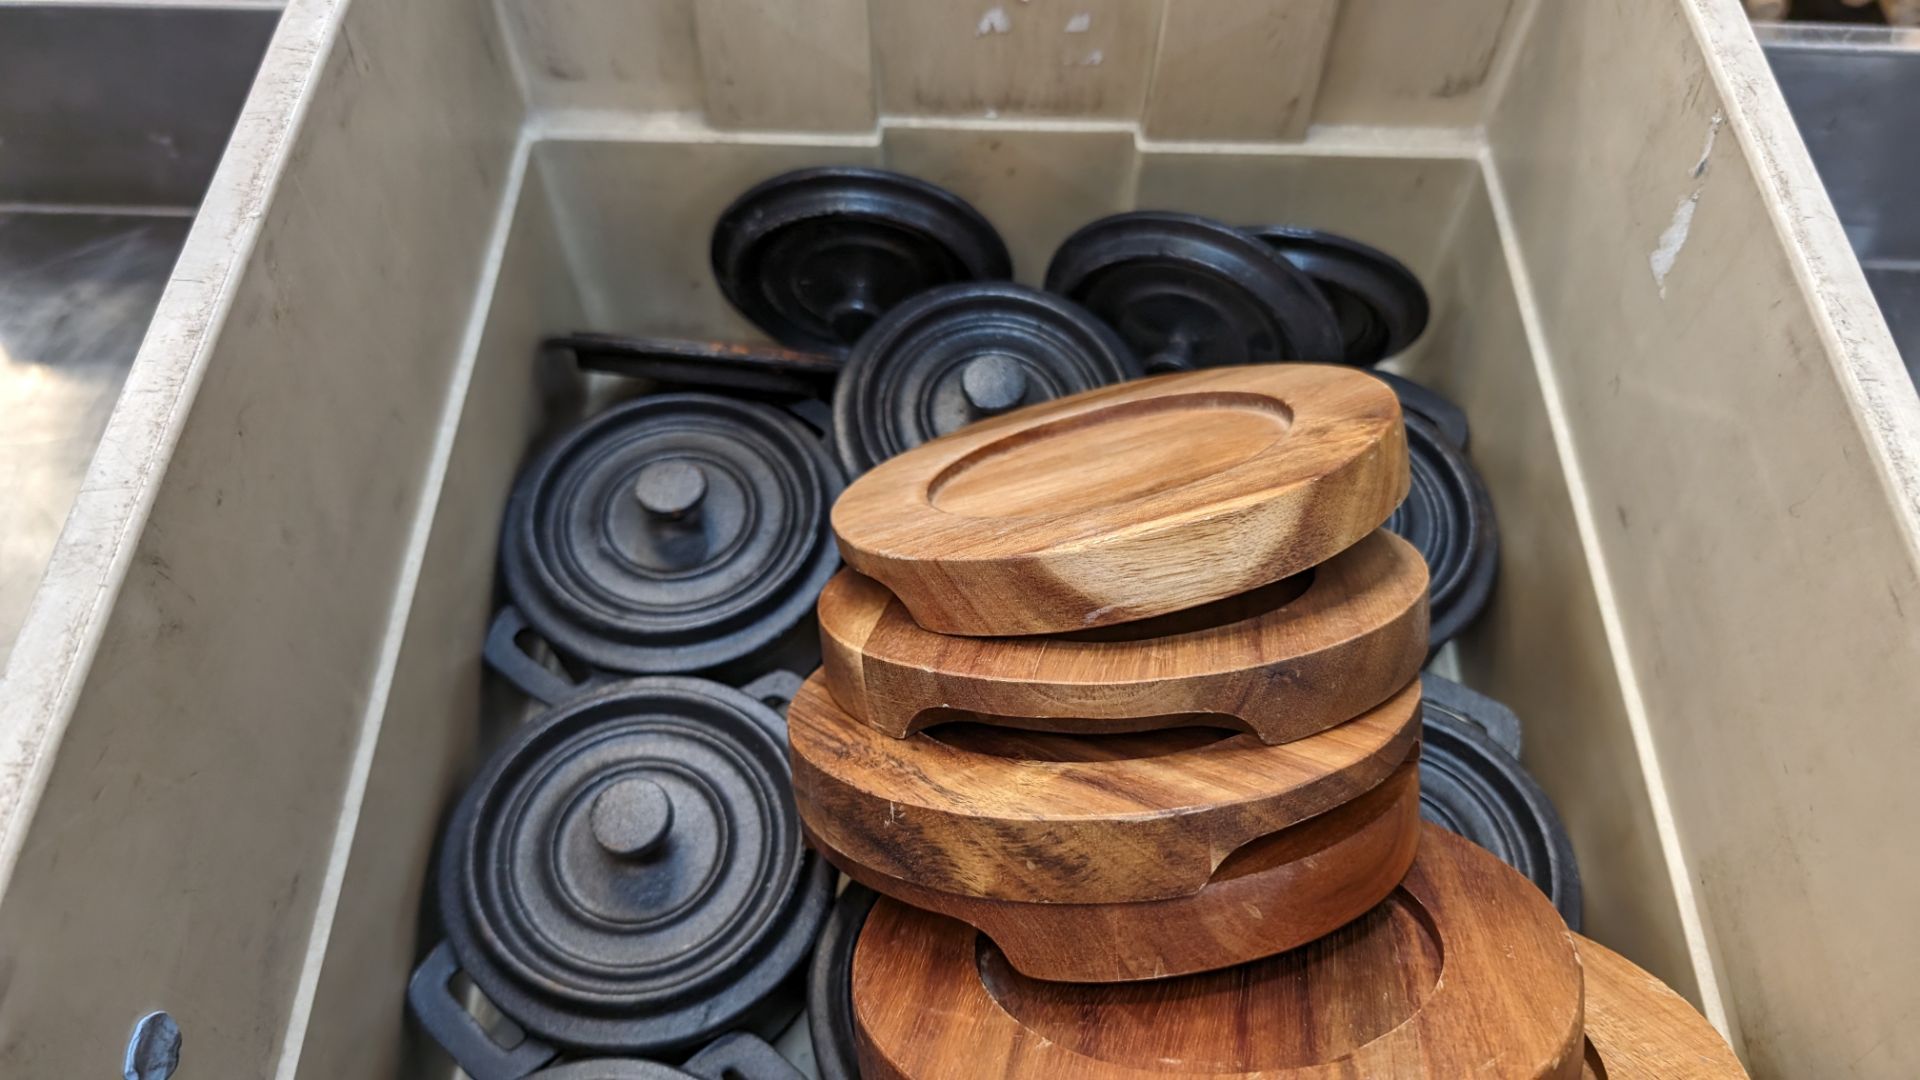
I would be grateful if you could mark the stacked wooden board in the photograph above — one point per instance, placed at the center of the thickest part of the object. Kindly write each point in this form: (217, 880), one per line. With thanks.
(1120, 713)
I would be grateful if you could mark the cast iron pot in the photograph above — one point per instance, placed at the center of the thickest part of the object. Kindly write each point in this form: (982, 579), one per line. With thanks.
(625, 877)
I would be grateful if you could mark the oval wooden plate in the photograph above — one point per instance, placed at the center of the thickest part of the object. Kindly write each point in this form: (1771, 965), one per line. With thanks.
(1639, 1029)
(1276, 893)
(1016, 815)
(1129, 501)
(1464, 971)
(1283, 662)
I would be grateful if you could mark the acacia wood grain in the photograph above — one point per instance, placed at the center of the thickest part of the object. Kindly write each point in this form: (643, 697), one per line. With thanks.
(1129, 501)
(1283, 662)
(1464, 971)
(1019, 815)
(1276, 893)
(1639, 1029)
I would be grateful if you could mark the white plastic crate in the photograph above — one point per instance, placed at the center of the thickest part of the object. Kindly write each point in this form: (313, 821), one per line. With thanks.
(252, 681)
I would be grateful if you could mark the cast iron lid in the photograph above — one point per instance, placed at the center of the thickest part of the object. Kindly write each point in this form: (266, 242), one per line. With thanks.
(676, 532)
(962, 353)
(626, 874)
(1187, 292)
(815, 256)
(738, 1056)
(711, 365)
(1469, 785)
(830, 986)
(1428, 405)
(1449, 519)
(1380, 304)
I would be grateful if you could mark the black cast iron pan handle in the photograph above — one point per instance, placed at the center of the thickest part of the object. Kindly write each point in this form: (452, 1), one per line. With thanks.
(430, 996)
(533, 678)
(775, 689)
(741, 1056)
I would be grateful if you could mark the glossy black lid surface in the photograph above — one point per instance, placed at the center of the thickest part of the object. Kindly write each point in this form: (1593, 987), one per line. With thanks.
(815, 256)
(626, 874)
(830, 986)
(1448, 518)
(1469, 785)
(962, 353)
(676, 532)
(1379, 303)
(1186, 292)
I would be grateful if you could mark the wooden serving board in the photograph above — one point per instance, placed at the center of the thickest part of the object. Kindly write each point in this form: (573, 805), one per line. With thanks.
(1279, 892)
(1282, 662)
(1639, 1029)
(931, 1001)
(1129, 501)
(1017, 815)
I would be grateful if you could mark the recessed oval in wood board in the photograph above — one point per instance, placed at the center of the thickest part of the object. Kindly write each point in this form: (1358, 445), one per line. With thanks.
(1017, 815)
(1275, 894)
(1227, 431)
(1129, 501)
(933, 1000)
(1284, 662)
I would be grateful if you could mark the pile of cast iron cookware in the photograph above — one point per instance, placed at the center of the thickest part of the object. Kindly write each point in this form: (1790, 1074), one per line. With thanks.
(624, 882)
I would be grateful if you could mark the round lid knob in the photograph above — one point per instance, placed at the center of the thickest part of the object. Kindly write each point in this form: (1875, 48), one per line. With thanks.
(855, 311)
(632, 817)
(1175, 354)
(677, 532)
(814, 257)
(993, 383)
(670, 489)
(962, 353)
(1191, 292)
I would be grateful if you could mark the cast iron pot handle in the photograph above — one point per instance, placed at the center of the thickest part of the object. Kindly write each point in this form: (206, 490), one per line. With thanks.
(504, 655)
(1498, 722)
(741, 1056)
(814, 413)
(776, 686)
(431, 998)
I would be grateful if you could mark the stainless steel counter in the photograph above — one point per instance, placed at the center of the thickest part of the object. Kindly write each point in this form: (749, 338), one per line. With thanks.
(1855, 93)
(112, 119)
(76, 291)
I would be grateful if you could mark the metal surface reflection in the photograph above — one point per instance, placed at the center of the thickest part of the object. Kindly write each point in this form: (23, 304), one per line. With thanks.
(113, 119)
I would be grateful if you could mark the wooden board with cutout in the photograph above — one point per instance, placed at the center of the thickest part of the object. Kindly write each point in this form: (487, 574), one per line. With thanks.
(1007, 814)
(1129, 501)
(1284, 662)
(933, 1001)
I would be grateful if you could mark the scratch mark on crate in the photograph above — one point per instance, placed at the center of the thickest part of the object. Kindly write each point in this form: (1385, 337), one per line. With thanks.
(1667, 251)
